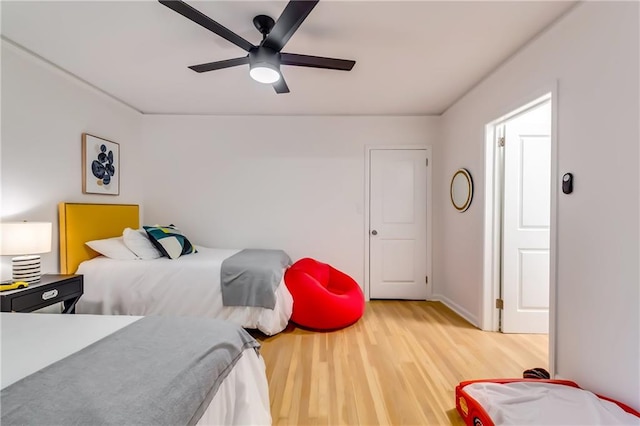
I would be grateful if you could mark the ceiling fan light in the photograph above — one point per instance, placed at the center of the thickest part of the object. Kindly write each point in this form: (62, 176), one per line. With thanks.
(264, 73)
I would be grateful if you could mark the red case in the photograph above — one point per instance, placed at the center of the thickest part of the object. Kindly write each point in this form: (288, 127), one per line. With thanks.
(474, 414)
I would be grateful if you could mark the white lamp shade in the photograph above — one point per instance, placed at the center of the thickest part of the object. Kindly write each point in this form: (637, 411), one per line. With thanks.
(20, 238)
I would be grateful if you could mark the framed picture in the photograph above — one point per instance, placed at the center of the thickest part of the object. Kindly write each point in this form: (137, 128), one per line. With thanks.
(100, 166)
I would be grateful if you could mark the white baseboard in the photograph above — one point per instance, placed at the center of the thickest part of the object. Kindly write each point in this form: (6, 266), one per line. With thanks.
(457, 309)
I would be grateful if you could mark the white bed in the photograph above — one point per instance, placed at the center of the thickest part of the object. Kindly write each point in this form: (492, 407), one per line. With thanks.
(187, 286)
(31, 342)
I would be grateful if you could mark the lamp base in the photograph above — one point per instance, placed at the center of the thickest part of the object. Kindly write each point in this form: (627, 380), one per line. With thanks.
(26, 268)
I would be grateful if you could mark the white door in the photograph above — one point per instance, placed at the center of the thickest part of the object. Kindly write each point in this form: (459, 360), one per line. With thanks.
(526, 221)
(398, 224)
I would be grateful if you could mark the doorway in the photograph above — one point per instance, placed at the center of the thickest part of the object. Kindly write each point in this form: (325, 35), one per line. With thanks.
(519, 201)
(397, 223)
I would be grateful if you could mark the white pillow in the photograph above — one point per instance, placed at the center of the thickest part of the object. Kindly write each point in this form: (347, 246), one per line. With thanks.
(113, 248)
(138, 242)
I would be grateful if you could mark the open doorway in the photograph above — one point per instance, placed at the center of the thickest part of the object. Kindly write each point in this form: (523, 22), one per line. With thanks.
(519, 222)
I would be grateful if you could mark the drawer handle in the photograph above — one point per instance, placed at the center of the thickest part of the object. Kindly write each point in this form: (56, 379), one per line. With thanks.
(49, 294)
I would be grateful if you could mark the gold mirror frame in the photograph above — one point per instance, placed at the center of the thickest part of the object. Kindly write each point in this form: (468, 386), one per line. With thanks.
(462, 184)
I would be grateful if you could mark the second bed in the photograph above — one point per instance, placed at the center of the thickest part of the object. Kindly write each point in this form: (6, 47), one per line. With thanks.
(187, 286)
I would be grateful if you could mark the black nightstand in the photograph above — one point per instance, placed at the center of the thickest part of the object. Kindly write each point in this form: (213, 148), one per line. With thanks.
(51, 289)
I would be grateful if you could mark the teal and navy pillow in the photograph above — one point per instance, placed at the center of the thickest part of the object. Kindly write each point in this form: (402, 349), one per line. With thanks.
(169, 240)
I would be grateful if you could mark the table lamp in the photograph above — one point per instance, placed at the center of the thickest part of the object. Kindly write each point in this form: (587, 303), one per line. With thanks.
(25, 240)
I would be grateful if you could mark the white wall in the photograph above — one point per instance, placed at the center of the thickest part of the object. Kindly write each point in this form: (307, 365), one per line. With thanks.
(593, 53)
(44, 113)
(295, 182)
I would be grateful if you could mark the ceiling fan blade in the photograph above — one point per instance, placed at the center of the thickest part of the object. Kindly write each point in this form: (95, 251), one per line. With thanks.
(316, 62)
(288, 22)
(210, 66)
(201, 19)
(281, 86)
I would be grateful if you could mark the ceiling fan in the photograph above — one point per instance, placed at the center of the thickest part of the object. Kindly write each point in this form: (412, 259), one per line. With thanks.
(265, 59)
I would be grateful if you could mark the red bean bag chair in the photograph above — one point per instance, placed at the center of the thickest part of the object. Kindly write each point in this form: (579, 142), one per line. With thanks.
(323, 297)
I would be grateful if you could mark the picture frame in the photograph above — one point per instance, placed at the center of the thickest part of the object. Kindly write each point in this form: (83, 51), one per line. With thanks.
(100, 165)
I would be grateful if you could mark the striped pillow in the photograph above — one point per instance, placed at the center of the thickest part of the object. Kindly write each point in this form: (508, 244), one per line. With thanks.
(169, 240)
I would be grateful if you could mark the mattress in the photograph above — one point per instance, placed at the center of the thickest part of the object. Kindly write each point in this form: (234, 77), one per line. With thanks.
(187, 286)
(537, 402)
(33, 341)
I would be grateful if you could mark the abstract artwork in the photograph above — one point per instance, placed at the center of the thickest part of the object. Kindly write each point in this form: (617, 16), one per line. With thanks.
(100, 166)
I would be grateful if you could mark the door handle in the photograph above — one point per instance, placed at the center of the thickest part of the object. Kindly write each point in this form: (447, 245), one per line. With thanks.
(374, 232)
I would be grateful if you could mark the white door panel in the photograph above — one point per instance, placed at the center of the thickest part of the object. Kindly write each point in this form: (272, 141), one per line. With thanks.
(398, 222)
(398, 263)
(398, 192)
(536, 181)
(534, 269)
(526, 221)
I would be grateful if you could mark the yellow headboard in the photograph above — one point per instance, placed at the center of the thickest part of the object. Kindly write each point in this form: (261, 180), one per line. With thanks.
(80, 222)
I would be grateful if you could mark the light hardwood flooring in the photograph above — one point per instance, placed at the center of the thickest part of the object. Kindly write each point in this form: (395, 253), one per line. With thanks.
(398, 365)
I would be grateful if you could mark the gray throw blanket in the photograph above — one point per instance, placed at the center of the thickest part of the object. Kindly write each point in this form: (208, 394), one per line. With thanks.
(251, 277)
(156, 371)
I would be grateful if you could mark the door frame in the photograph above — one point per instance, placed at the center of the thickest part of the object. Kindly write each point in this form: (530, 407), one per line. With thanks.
(493, 219)
(367, 207)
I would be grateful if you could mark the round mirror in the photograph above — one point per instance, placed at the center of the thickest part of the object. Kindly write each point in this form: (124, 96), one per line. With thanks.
(461, 190)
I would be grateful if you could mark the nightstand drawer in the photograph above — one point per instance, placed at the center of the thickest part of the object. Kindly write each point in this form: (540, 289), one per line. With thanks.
(47, 296)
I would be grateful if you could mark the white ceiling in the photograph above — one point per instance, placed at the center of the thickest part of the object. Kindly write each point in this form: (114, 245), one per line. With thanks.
(414, 57)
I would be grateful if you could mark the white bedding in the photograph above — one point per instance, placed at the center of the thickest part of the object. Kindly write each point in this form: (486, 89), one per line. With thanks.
(31, 342)
(189, 285)
(525, 403)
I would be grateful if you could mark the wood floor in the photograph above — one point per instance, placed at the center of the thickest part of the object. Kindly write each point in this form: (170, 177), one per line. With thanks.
(398, 365)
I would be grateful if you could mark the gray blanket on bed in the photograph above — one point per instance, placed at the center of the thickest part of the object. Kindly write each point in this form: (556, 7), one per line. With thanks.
(156, 371)
(251, 277)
